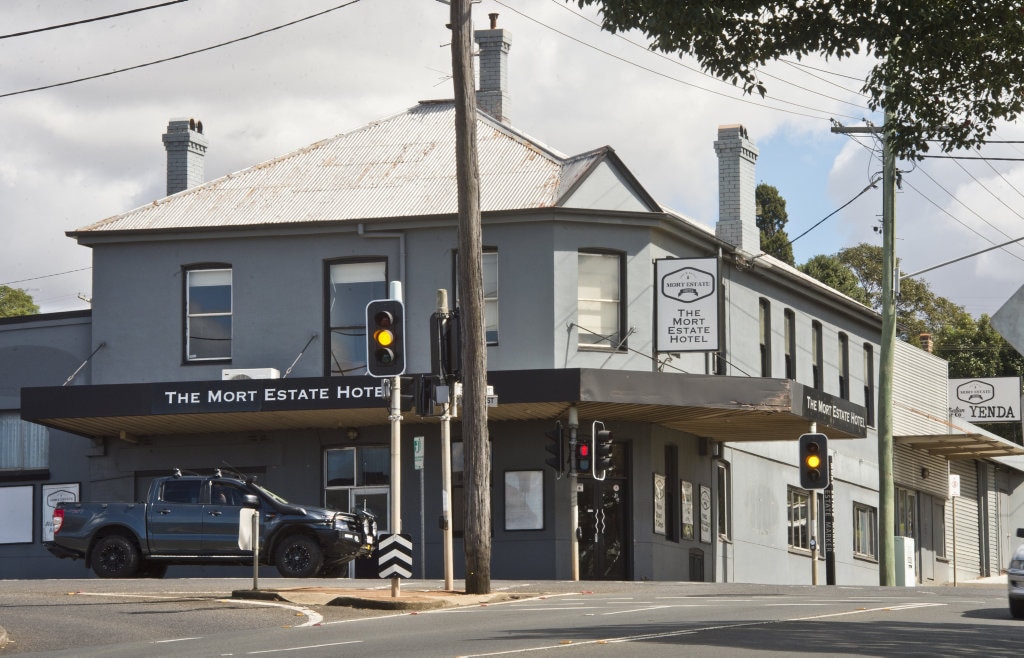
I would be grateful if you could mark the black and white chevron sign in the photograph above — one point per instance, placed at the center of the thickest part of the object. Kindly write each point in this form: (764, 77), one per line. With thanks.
(394, 556)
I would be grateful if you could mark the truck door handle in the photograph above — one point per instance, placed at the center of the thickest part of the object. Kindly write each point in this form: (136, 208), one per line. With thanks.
(216, 512)
(164, 511)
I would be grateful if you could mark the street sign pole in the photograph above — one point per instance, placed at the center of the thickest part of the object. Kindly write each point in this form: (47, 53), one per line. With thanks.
(574, 541)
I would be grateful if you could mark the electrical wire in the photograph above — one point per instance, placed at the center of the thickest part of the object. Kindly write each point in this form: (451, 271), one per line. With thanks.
(90, 20)
(182, 55)
(871, 185)
(46, 276)
(677, 62)
(674, 79)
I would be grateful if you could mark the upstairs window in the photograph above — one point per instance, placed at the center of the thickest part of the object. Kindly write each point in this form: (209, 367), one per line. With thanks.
(789, 329)
(816, 354)
(600, 312)
(208, 314)
(764, 314)
(844, 366)
(351, 286)
(490, 283)
(869, 383)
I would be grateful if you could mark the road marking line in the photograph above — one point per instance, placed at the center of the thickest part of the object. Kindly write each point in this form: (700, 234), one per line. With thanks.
(310, 646)
(313, 618)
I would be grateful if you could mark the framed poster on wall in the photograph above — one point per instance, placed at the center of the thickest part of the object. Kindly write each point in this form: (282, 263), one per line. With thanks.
(659, 504)
(686, 505)
(524, 500)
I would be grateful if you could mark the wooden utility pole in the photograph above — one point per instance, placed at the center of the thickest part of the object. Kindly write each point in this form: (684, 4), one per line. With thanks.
(886, 488)
(476, 446)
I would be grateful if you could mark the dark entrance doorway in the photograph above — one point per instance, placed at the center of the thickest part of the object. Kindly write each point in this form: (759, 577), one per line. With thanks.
(604, 522)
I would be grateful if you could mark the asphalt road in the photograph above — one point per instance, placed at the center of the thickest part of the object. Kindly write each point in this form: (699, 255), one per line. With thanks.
(197, 617)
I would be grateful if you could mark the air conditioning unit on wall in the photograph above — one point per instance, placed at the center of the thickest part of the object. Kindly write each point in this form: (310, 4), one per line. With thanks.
(250, 373)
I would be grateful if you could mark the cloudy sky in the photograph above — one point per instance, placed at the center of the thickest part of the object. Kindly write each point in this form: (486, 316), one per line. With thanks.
(77, 153)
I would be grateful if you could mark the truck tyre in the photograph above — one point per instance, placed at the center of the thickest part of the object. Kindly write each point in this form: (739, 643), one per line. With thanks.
(115, 556)
(299, 556)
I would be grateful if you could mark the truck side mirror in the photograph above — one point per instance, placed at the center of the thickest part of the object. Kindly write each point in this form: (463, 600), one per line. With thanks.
(252, 501)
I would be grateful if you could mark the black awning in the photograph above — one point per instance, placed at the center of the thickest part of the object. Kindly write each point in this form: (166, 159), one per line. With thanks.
(718, 408)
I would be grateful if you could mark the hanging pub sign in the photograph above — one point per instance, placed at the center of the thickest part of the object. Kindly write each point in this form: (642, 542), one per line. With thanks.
(985, 399)
(686, 304)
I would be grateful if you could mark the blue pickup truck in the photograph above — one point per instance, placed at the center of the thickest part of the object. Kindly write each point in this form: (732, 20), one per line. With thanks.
(194, 519)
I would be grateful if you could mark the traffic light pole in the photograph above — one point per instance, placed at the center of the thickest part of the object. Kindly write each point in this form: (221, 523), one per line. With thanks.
(446, 469)
(395, 416)
(574, 540)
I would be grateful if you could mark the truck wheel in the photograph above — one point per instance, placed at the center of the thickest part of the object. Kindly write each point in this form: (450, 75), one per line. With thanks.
(115, 556)
(299, 556)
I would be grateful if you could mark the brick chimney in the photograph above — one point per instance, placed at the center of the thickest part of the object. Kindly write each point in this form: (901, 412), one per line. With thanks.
(492, 95)
(927, 344)
(737, 212)
(186, 149)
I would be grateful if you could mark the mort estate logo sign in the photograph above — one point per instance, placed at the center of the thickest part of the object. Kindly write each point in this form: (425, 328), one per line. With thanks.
(687, 304)
(985, 399)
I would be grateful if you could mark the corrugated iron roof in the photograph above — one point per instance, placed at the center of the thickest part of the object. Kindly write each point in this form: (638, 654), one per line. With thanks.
(402, 166)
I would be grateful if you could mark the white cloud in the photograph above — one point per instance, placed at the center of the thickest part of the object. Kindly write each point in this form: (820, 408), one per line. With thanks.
(79, 153)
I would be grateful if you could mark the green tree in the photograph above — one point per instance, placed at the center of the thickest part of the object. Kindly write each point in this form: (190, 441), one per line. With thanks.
(771, 221)
(947, 70)
(834, 273)
(15, 301)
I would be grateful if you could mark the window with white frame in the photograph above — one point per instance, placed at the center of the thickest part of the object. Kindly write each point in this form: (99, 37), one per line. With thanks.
(764, 317)
(798, 504)
(489, 265)
(351, 285)
(869, 383)
(865, 531)
(723, 485)
(357, 477)
(208, 314)
(599, 312)
(23, 446)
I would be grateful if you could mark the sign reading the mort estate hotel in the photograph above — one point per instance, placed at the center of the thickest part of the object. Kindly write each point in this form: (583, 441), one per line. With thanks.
(686, 304)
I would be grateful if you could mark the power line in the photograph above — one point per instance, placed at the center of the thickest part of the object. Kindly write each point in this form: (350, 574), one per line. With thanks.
(46, 276)
(663, 75)
(871, 185)
(677, 62)
(90, 20)
(194, 52)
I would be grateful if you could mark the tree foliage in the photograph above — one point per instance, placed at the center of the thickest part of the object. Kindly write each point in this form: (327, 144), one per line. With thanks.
(947, 70)
(15, 301)
(771, 221)
(834, 273)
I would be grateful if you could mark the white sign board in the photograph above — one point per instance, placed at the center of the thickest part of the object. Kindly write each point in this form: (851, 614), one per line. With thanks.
(686, 301)
(954, 486)
(417, 452)
(53, 494)
(985, 399)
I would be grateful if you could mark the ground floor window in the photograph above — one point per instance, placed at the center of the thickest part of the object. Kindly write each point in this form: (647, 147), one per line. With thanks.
(799, 506)
(360, 478)
(865, 531)
(723, 484)
(906, 513)
(799, 522)
(23, 445)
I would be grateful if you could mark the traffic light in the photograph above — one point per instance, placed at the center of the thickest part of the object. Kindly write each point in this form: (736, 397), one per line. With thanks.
(385, 338)
(813, 461)
(446, 346)
(602, 451)
(556, 446)
(582, 457)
